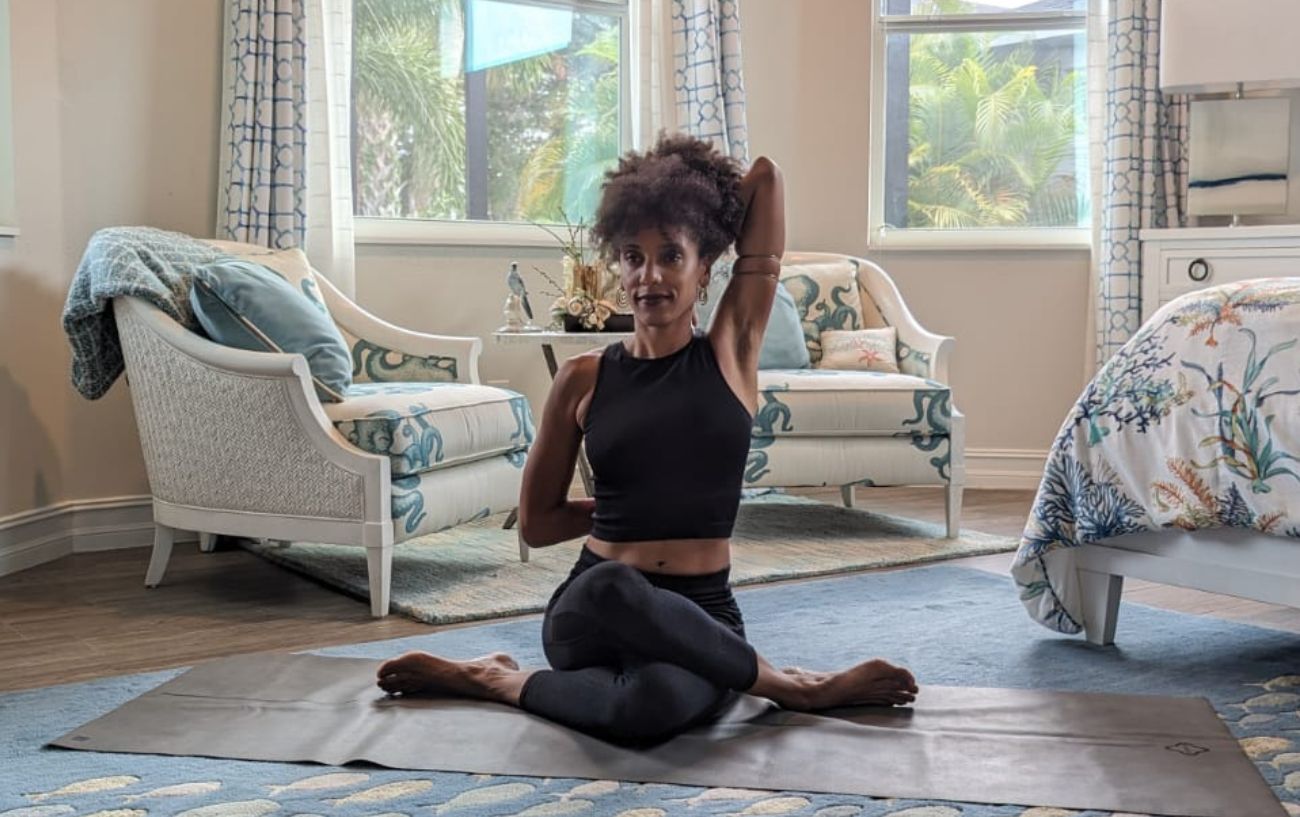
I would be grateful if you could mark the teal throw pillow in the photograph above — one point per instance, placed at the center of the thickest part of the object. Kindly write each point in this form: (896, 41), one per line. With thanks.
(783, 342)
(248, 306)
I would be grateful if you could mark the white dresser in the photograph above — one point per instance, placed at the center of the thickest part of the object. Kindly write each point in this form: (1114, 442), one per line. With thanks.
(1176, 261)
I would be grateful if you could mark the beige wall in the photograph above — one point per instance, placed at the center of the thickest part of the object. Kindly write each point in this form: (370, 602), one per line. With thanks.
(1018, 317)
(116, 109)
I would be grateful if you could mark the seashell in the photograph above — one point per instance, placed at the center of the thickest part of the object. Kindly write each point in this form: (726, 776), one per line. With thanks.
(488, 794)
(178, 790)
(336, 780)
(92, 786)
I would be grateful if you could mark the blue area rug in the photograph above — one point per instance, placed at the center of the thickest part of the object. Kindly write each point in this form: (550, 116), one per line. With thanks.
(952, 626)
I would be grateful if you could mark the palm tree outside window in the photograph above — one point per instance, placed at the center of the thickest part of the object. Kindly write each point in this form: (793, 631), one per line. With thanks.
(485, 110)
(982, 124)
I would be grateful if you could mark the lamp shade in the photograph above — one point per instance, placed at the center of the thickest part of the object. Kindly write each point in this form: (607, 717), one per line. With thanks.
(1207, 46)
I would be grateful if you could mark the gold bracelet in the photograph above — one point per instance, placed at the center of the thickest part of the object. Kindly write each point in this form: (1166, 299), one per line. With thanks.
(766, 272)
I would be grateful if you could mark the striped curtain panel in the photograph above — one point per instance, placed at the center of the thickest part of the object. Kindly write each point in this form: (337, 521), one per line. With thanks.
(708, 82)
(262, 195)
(1144, 172)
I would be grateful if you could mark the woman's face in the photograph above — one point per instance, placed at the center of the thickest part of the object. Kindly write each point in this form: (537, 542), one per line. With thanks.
(662, 273)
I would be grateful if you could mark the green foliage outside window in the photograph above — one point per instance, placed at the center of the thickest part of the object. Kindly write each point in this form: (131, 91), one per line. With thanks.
(552, 120)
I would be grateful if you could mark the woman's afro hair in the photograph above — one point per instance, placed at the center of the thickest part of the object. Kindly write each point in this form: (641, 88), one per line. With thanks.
(682, 182)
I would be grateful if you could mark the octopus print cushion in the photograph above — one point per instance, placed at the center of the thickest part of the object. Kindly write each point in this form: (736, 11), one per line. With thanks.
(867, 350)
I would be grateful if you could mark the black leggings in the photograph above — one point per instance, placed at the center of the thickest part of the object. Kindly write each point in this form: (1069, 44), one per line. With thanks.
(639, 657)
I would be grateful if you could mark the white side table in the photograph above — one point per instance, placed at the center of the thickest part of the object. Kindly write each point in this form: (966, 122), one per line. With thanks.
(575, 342)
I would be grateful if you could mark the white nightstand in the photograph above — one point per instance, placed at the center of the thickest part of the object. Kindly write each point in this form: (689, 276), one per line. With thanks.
(1176, 261)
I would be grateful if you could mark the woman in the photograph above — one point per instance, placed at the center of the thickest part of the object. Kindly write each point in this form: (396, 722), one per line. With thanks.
(644, 637)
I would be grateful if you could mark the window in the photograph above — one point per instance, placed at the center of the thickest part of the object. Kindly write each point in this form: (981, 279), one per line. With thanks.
(980, 115)
(486, 110)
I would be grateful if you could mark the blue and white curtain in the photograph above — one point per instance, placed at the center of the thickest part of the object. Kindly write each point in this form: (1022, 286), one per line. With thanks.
(286, 175)
(708, 83)
(262, 196)
(1144, 172)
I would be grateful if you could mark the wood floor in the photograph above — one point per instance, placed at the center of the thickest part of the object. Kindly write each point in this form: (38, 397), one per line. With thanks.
(89, 615)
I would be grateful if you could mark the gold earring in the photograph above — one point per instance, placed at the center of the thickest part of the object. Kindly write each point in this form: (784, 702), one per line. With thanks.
(622, 296)
(704, 295)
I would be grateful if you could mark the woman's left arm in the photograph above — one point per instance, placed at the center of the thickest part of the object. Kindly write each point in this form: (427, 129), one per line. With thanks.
(741, 316)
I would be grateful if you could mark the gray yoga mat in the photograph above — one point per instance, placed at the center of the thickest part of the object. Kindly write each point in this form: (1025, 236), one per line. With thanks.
(1146, 754)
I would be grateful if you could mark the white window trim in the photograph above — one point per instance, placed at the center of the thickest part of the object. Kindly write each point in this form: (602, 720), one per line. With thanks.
(478, 233)
(882, 237)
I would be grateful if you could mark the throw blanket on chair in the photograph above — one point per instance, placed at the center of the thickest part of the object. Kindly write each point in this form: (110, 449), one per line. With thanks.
(1194, 423)
(142, 262)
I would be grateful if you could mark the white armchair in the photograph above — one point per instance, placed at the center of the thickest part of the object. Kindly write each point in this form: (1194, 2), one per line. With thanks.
(820, 427)
(237, 443)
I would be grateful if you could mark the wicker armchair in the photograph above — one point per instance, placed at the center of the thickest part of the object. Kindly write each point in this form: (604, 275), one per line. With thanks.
(237, 443)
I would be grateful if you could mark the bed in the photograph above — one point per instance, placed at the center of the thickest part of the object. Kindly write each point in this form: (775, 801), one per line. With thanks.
(1180, 464)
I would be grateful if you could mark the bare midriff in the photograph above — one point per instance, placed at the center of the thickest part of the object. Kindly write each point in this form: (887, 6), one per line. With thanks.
(677, 557)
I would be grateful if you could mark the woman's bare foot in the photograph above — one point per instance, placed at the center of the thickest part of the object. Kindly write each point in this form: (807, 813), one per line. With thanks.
(871, 683)
(494, 677)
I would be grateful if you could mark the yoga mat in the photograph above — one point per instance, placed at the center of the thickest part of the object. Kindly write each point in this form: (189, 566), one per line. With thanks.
(1148, 754)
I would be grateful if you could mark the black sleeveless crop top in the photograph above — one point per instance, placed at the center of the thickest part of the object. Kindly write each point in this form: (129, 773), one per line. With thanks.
(667, 440)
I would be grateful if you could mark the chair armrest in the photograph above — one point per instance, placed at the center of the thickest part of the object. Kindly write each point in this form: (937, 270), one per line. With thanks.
(229, 429)
(383, 352)
(920, 351)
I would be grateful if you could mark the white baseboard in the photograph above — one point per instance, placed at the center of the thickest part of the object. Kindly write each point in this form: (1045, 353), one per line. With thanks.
(80, 526)
(1004, 468)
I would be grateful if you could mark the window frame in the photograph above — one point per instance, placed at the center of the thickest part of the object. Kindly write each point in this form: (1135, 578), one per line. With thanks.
(882, 237)
(371, 230)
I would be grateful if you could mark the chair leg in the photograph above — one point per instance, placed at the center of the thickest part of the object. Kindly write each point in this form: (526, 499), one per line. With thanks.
(511, 519)
(952, 508)
(207, 542)
(846, 493)
(1100, 593)
(379, 567)
(523, 546)
(163, 537)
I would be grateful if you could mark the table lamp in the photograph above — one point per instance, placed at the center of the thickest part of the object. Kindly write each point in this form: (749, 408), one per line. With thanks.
(1239, 151)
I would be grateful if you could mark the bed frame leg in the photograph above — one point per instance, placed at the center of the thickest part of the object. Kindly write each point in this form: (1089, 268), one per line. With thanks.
(1100, 594)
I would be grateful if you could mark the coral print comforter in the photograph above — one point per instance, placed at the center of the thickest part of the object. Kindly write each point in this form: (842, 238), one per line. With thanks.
(1194, 423)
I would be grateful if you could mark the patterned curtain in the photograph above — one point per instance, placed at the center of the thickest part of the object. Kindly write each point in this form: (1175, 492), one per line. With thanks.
(262, 186)
(1144, 180)
(707, 79)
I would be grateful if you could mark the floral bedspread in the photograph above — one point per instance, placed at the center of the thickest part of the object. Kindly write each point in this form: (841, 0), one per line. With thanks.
(1194, 423)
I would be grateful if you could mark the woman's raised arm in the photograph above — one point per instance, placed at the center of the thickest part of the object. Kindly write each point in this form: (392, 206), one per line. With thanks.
(741, 317)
